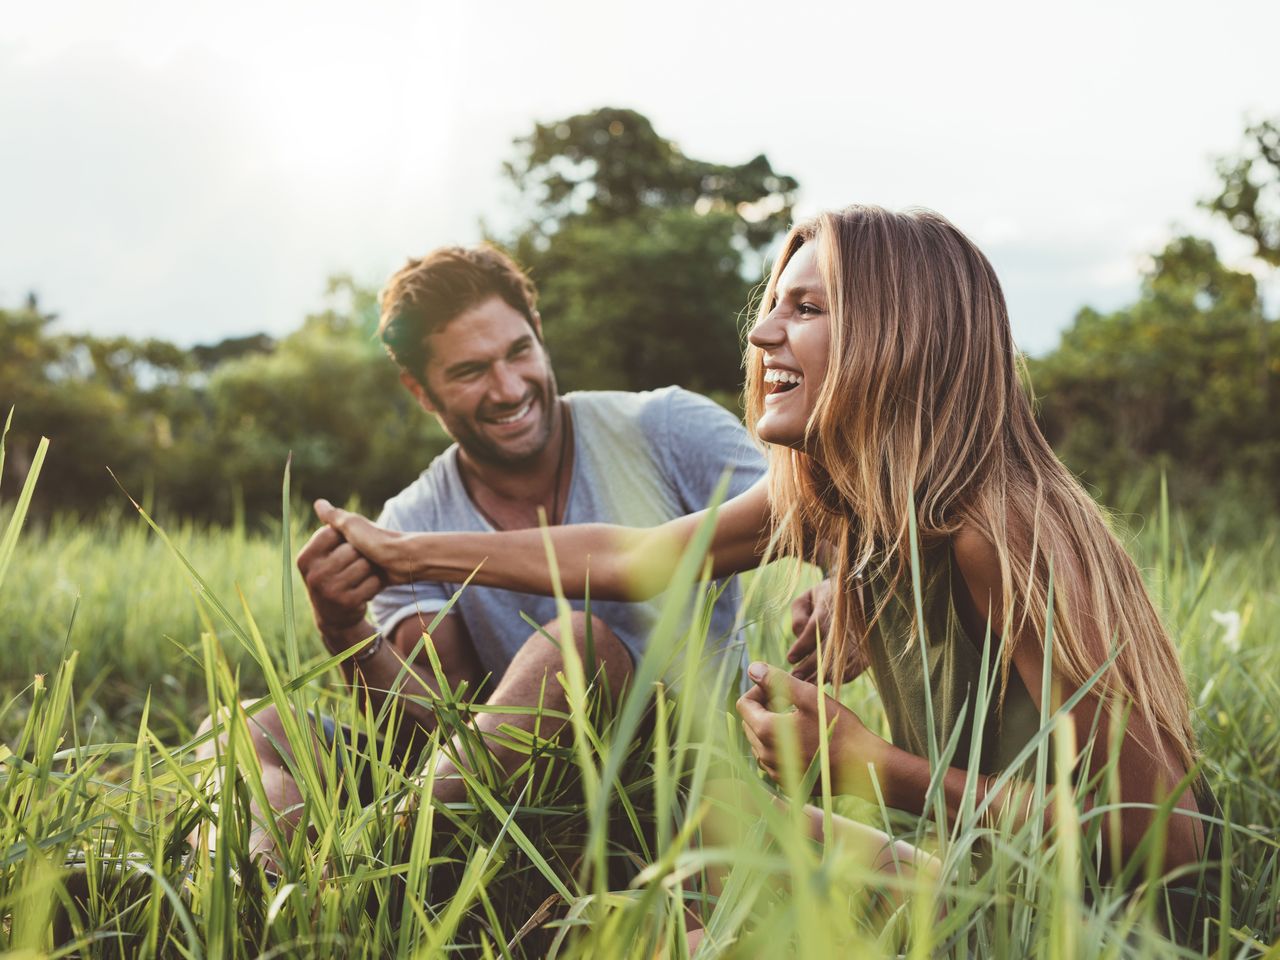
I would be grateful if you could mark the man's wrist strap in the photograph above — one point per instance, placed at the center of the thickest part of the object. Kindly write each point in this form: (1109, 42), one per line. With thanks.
(371, 651)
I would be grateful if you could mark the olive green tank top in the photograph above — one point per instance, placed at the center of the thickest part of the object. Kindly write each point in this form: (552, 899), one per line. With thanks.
(951, 660)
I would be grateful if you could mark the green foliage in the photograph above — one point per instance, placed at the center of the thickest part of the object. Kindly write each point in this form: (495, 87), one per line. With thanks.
(630, 306)
(1250, 195)
(1184, 380)
(73, 388)
(205, 433)
(611, 166)
(329, 395)
(644, 257)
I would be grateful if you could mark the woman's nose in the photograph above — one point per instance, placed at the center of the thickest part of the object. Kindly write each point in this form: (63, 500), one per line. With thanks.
(767, 331)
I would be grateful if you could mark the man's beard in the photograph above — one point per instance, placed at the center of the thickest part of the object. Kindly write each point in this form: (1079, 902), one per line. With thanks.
(470, 436)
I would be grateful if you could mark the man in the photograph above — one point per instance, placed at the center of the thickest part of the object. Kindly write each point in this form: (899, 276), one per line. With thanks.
(463, 327)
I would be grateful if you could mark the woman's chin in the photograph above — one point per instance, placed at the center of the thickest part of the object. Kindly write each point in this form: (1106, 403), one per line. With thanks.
(778, 434)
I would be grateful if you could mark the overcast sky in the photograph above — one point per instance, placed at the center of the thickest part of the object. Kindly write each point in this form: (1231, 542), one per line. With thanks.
(194, 171)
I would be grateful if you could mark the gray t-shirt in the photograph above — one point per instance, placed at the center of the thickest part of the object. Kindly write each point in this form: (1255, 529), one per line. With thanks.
(640, 459)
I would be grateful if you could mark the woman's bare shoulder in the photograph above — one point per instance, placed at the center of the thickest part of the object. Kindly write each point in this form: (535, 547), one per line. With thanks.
(978, 560)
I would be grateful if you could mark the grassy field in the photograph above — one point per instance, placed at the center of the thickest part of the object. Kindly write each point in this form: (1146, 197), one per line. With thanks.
(118, 640)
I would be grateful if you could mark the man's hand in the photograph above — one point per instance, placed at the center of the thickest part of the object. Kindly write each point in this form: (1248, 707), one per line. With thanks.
(780, 714)
(377, 544)
(810, 616)
(340, 581)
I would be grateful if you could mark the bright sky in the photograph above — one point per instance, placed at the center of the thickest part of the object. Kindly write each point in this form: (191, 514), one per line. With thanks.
(196, 170)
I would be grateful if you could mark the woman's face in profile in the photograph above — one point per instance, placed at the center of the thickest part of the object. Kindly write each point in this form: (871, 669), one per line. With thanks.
(793, 340)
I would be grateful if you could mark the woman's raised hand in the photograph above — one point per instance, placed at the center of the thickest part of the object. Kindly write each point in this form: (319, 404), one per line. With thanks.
(810, 617)
(382, 547)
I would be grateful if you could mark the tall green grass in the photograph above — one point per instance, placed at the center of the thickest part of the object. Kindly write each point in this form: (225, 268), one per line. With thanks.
(120, 640)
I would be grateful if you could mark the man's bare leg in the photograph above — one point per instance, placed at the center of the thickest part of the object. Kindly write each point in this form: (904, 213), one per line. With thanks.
(282, 792)
(530, 680)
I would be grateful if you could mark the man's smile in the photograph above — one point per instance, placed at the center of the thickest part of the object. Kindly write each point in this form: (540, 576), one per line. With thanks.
(514, 417)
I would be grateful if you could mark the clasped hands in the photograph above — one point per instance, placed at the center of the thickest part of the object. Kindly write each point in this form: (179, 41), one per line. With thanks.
(781, 713)
(345, 564)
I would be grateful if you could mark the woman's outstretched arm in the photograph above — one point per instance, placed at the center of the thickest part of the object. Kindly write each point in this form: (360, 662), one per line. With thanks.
(617, 563)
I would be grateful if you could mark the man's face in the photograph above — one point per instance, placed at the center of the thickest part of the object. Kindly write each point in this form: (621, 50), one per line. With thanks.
(489, 381)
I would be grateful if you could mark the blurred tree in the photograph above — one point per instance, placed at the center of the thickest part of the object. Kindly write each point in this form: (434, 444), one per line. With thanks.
(1250, 196)
(1173, 381)
(83, 394)
(329, 395)
(644, 257)
(208, 356)
(205, 432)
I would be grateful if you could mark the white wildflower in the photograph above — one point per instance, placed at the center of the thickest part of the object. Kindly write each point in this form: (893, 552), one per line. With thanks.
(1229, 620)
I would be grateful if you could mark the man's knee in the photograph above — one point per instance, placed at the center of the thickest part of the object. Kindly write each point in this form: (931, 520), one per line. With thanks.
(266, 732)
(597, 646)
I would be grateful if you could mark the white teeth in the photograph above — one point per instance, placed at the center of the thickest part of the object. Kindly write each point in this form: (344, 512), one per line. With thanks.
(515, 416)
(774, 375)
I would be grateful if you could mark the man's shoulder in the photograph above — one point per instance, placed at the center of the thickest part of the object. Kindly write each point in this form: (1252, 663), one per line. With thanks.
(650, 410)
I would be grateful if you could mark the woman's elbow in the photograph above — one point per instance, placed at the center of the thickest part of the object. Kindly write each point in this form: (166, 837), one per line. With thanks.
(1176, 839)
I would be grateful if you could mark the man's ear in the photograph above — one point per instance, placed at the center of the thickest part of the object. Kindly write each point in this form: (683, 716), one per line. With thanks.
(535, 318)
(414, 386)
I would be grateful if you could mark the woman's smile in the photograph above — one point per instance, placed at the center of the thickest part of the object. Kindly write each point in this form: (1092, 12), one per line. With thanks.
(793, 339)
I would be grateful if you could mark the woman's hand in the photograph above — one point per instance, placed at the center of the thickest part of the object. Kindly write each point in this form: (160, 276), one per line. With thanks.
(810, 617)
(380, 546)
(780, 713)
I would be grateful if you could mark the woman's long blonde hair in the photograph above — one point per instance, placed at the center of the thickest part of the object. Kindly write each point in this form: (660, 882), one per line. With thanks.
(924, 408)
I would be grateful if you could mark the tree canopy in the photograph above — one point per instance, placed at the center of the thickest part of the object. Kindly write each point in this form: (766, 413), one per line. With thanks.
(1181, 381)
(644, 257)
(1249, 195)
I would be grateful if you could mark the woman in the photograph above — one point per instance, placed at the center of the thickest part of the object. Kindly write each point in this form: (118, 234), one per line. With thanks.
(883, 377)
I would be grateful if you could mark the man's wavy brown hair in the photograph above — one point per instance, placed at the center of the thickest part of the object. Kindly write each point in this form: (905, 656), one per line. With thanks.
(424, 295)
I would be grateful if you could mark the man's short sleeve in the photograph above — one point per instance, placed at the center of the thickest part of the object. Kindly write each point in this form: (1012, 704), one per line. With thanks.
(698, 440)
(396, 604)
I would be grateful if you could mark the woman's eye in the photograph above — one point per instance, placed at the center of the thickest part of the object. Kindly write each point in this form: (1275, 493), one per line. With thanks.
(808, 309)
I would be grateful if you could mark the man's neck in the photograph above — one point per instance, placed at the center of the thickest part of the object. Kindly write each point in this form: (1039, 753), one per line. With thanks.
(526, 485)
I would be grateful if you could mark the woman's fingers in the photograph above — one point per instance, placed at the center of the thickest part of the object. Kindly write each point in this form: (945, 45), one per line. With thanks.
(806, 643)
(785, 689)
(753, 708)
(804, 626)
(807, 668)
(766, 757)
(763, 753)
(328, 513)
(362, 534)
(801, 614)
(354, 528)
